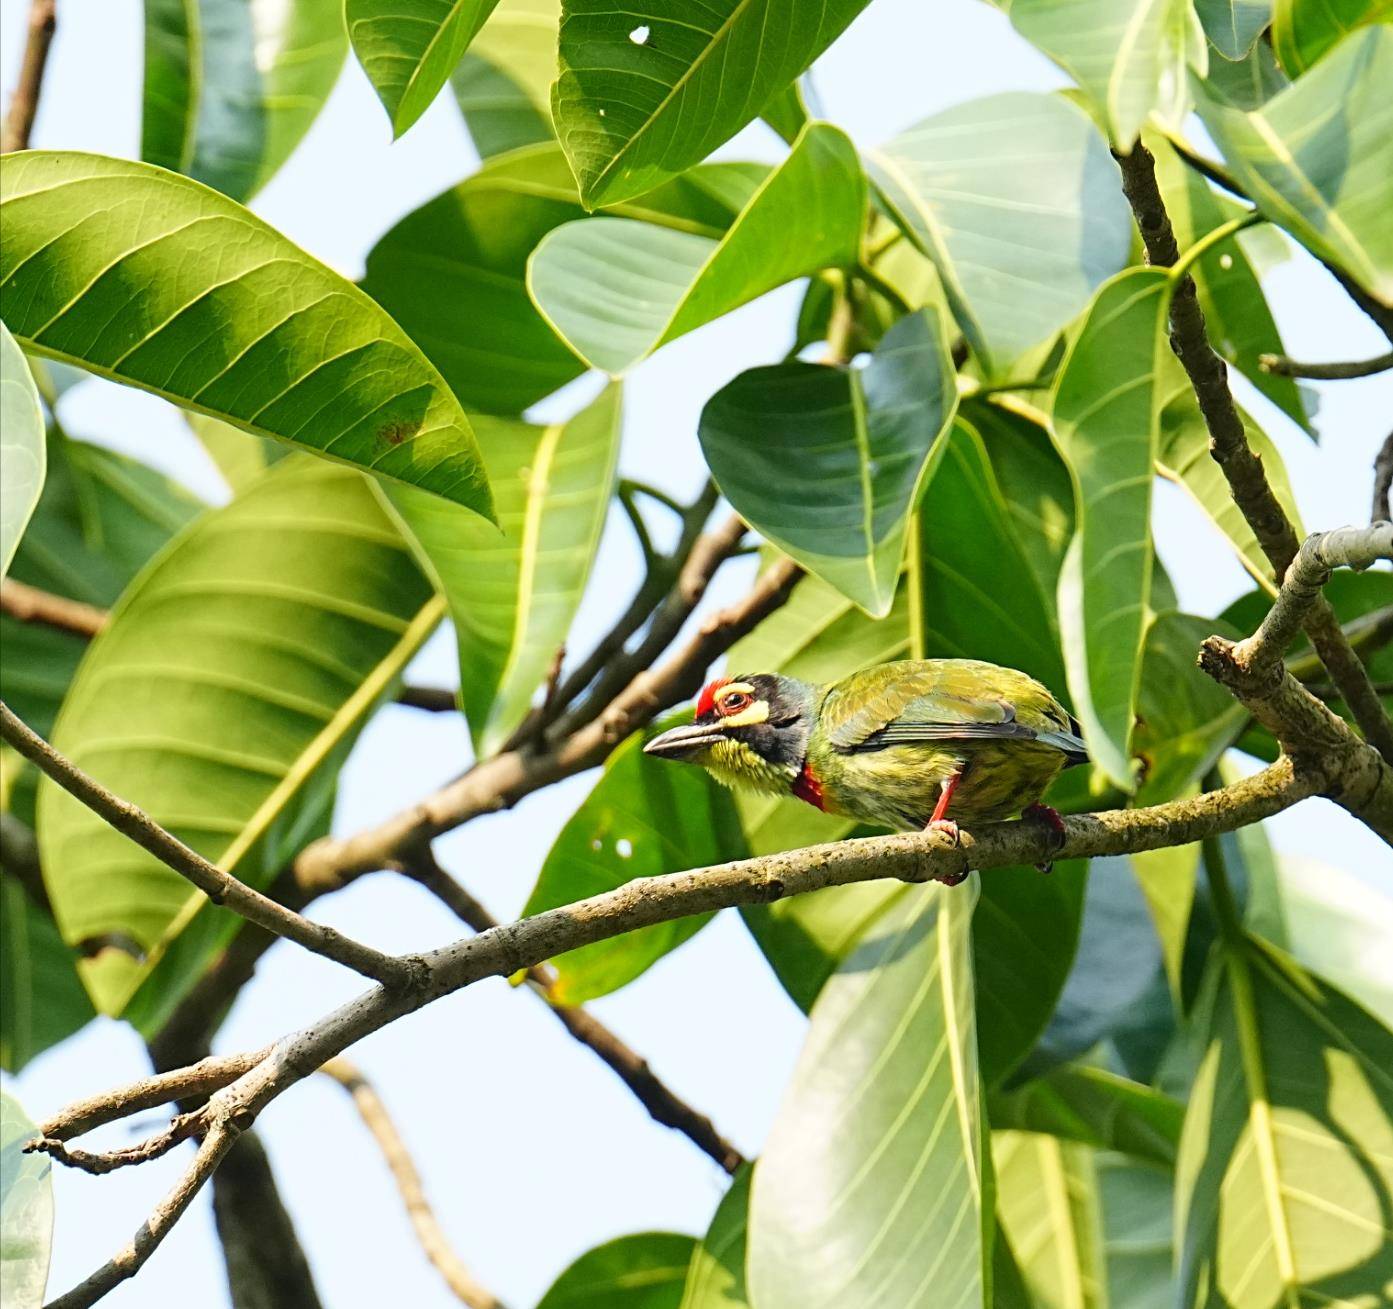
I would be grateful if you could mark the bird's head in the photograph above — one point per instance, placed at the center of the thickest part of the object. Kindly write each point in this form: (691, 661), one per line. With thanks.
(750, 731)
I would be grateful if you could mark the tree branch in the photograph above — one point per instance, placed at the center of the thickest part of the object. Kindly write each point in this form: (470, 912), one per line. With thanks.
(218, 886)
(24, 103)
(428, 1231)
(433, 699)
(1228, 444)
(1282, 366)
(28, 604)
(1381, 511)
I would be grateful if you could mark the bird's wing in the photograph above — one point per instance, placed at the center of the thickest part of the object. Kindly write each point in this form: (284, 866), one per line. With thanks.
(933, 701)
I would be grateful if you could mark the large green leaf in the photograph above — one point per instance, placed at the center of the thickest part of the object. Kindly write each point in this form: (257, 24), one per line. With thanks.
(1126, 55)
(1168, 879)
(409, 48)
(827, 461)
(150, 278)
(1096, 1108)
(231, 86)
(644, 1271)
(1014, 272)
(647, 91)
(1241, 326)
(1318, 158)
(644, 818)
(1106, 407)
(514, 594)
(42, 1001)
(1247, 83)
(1048, 1205)
(221, 698)
(22, 452)
(99, 520)
(1285, 1178)
(887, 1209)
(453, 272)
(26, 1209)
(1137, 1201)
(1233, 25)
(615, 290)
(503, 83)
(1304, 30)
(716, 1277)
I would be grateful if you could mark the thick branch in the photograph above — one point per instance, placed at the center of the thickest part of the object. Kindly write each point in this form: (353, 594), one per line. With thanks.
(218, 886)
(24, 103)
(1282, 366)
(428, 1231)
(1228, 444)
(662, 1103)
(28, 604)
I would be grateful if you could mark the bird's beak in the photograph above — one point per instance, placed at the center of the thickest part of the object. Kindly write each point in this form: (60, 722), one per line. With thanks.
(684, 742)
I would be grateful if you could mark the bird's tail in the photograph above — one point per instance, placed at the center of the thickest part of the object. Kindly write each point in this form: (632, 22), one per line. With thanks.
(1070, 743)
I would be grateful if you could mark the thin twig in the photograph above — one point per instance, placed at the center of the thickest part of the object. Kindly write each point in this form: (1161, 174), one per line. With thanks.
(24, 103)
(433, 699)
(181, 1127)
(662, 1103)
(394, 1152)
(1228, 444)
(220, 887)
(29, 604)
(1283, 366)
(1380, 511)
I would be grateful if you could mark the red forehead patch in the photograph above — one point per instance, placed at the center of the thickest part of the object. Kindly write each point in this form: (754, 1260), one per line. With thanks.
(706, 701)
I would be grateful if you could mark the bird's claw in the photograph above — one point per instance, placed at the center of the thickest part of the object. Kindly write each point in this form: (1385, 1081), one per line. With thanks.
(1043, 813)
(947, 827)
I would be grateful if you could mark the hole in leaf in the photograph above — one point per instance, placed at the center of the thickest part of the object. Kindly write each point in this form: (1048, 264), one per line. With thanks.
(639, 36)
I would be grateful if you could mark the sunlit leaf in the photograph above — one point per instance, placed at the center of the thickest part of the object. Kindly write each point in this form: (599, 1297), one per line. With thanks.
(1167, 879)
(1318, 158)
(827, 461)
(513, 593)
(643, 818)
(22, 452)
(889, 1203)
(716, 1277)
(1234, 25)
(221, 698)
(231, 86)
(409, 48)
(1014, 272)
(503, 83)
(647, 91)
(146, 277)
(1106, 407)
(643, 1271)
(615, 290)
(1303, 31)
(26, 1210)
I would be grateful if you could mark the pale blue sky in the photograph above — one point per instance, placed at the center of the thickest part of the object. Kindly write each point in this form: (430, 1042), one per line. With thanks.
(531, 1151)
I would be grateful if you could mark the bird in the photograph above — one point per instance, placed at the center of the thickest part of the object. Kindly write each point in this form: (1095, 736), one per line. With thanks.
(895, 745)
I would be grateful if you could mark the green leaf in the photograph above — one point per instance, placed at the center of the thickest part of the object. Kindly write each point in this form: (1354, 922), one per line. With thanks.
(1048, 1205)
(41, 999)
(1303, 31)
(100, 519)
(1247, 83)
(644, 1271)
(1318, 158)
(888, 1204)
(503, 83)
(221, 698)
(1095, 1108)
(22, 452)
(1167, 878)
(1106, 407)
(1136, 1201)
(644, 818)
(615, 290)
(149, 278)
(645, 92)
(232, 86)
(827, 462)
(1240, 324)
(453, 272)
(1014, 273)
(26, 1210)
(514, 594)
(409, 48)
(716, 1277)
(1124, 54)
(1234, 25)
(1285, 1177)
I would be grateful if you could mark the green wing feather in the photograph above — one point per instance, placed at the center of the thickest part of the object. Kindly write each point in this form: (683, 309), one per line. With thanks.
(942, 700)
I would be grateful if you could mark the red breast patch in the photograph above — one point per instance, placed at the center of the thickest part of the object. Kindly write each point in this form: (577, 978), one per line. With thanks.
(706, 701)
(806, 787)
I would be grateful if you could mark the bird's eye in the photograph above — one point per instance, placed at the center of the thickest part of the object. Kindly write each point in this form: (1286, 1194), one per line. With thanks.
(733, 704)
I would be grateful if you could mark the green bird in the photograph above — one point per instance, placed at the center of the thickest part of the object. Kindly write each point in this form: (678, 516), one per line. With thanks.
(894, 745)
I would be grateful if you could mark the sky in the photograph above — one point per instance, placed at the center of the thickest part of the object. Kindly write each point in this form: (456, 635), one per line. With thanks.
(531, 1151)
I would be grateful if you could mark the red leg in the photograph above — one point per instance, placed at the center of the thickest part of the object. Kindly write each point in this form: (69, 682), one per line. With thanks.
(945, 797)
(938, 823)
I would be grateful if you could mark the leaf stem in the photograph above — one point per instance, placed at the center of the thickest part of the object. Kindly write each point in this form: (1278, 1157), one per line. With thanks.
(1209, 240)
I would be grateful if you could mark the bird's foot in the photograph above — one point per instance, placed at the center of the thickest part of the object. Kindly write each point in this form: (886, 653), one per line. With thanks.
(1043, 813)
(947, 827)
